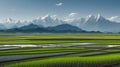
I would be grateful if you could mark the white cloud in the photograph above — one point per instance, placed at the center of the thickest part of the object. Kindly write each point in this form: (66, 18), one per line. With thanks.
(72, 14)
(59, 4)
(114, 18)
(71, 17)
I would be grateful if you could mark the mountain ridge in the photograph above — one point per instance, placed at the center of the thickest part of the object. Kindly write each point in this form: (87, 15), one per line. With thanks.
(89, 23)
(32, 28)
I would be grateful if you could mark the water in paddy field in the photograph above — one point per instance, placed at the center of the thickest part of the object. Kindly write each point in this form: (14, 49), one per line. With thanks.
(80, 45)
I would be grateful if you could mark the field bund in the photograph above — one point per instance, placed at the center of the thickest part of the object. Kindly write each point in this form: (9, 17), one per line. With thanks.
(59, 50)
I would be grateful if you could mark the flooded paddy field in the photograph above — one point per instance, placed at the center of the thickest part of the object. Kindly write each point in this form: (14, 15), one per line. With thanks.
(62, 50)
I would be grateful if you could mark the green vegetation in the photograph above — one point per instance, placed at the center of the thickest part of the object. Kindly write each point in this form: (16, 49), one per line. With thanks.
(59, 38)
(70, 53)
(94, 61)
(41, 51)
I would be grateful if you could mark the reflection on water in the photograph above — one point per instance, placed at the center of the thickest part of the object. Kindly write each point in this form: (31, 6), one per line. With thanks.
(80, 45)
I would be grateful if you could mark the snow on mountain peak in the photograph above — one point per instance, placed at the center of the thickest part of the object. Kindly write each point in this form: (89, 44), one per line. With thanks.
(89, 17)
(47, 20)
(99, 17)
(9, 20)
(46, 17)
(89, 23)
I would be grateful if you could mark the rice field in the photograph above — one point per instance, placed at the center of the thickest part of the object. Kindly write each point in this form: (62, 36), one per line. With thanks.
(58, 38)
(94, 61)
(41, 51)
(59, 50)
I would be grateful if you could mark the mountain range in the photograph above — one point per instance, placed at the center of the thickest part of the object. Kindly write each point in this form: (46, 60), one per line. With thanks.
(54, 25)
(97, 23)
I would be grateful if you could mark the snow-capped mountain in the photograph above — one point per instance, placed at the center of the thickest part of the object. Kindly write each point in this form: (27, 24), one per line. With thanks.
(107, 25)
(47, 21)
(97, 23)
(9, 23)
(89, 23)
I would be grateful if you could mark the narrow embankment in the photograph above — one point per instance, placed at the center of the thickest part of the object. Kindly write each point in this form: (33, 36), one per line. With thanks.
(2, 63)
(65, 54)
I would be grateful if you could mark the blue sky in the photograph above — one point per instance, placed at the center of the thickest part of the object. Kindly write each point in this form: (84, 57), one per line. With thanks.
(29, 9)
